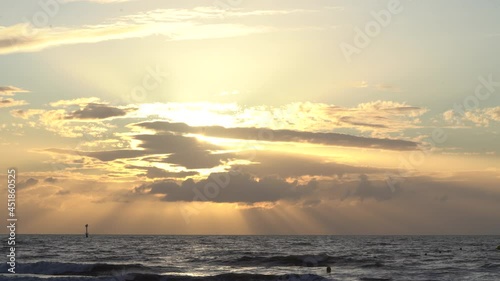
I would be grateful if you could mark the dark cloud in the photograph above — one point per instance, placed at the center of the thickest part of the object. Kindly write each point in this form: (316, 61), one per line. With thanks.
(27, 183)
(110, 155)
(198, 159)
(63, 192)
(17, 40)
(244, 188)
(349, 120)
(171, 143)
(190, 153)
(481, 187)
(19, 113)
(10, 90)
(158, 144)
(181, 151)
(98, 111)
(224, 187)
(403, 109)
(195, 159)
(11, 102)
(4, 89)
(50, 180)
(366, 189)
(283, 136)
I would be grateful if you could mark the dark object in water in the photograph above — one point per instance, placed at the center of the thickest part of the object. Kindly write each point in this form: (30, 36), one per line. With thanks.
(460, 248)
(328, 269)
(498, 247)
(87, 230)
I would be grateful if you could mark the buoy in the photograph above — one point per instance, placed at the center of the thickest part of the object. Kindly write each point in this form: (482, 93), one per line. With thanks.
(87, 230)
(498, 247)
(328, 269)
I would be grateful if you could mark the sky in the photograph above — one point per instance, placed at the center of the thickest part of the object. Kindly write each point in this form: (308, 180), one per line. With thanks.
(251, 117)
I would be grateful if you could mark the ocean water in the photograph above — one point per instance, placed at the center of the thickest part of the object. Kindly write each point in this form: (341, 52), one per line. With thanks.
(115, 257)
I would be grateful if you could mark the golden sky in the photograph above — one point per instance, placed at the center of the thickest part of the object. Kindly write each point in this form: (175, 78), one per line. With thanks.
(252, 117)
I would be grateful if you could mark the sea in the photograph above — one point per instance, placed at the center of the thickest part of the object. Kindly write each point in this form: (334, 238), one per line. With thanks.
(304, 258)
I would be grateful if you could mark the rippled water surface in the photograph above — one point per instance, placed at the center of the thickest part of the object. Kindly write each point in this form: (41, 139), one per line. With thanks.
(113, 257)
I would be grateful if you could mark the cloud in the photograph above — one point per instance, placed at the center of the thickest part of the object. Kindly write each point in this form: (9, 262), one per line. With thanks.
(11, 102)
(154, 172)
(98, 111)
(171, 143)
(10, 90)
(183, 152)
(244, 188)
(27, 183)
(50, 180)
(352, 121)
(379, 117)
(63, 192)
(25, 113)
(366, 189)
(25, 38)
(373, 86)
(480, 117)
(165, 143)
(449, 115)
(223, 187)
(174, 24)
(68, 121)
(333, 139)
(111, 155)
(180, 151)
(198, 159)
(80, 102)
(392, 107)
(63, 123)
(494, 113)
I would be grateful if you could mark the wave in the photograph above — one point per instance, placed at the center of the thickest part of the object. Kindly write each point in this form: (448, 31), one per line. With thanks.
(305, 261)
(59, 268)
(301, 244)
(57, 271)
(231, 277)
(156, 277)
(491, 265)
